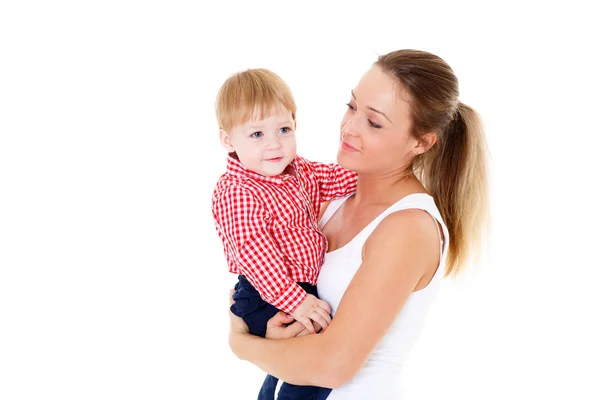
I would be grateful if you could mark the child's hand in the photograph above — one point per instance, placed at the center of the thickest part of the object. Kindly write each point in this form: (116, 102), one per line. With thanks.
(318, 328)
(313, 309)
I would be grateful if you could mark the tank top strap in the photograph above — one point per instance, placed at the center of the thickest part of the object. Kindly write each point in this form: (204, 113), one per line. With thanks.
(333, 206)
(421, 201)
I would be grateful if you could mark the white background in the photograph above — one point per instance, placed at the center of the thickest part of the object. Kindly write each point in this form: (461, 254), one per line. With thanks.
(113, 284)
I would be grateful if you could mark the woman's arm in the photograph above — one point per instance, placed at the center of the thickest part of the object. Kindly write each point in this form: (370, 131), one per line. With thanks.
(403, 248)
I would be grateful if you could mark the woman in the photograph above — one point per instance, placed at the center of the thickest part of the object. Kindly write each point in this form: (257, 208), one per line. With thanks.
(420, 205)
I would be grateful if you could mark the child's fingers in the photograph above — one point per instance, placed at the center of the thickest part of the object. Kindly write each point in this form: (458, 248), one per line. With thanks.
(318, 318)
(317, 326)
(307, 324)
(324, 314)
(325, 306)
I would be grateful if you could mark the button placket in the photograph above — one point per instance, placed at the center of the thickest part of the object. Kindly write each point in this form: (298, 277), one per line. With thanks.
(313, 219)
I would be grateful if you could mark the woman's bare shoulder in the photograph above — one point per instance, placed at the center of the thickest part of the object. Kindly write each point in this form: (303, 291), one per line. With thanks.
(412, 229)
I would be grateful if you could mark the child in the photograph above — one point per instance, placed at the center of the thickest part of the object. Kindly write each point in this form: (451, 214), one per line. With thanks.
(266, 207)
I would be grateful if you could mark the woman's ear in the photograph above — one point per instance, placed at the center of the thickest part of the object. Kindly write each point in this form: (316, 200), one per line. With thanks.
(425, 143)
(226, 141)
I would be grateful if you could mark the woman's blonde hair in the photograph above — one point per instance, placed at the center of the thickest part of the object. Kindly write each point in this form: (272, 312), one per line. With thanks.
(454, 170)
(251, 94)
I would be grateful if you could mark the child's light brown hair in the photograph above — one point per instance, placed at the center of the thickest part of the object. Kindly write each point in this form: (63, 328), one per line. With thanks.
(251, 94)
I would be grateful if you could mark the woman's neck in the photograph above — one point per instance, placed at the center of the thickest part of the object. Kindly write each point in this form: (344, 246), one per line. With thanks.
(372, 189)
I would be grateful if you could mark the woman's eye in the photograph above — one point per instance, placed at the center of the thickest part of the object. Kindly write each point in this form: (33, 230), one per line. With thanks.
(374, 125)
(256, 135)
(284, 130)
(350, 106)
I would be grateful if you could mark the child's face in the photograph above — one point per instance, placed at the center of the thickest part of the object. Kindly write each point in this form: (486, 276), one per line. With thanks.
(265, 146)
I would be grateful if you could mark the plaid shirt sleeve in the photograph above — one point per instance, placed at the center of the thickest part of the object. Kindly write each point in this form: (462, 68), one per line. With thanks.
(242, 221)
(334, 181)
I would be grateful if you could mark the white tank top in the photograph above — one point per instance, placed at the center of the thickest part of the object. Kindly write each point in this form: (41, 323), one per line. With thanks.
(380, 376)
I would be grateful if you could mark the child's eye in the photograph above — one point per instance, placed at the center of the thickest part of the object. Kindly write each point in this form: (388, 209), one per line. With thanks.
(285, 130)
(257, 135)
(350, 106)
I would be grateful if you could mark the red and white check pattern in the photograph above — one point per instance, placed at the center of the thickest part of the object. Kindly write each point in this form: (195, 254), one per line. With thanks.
(268, 225)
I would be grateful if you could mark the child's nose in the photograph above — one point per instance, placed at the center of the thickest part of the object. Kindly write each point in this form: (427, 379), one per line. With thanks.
(274, 143)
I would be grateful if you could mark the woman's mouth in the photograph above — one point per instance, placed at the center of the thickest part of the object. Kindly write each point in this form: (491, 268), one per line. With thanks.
(347, 147)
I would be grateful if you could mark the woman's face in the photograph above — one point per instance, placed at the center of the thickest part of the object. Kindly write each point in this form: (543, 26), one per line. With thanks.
(375, 132)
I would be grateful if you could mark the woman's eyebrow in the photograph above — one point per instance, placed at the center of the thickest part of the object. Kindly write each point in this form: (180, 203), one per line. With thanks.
(373, 109)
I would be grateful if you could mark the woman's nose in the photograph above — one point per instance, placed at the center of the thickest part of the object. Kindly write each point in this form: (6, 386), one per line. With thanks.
(349, 128)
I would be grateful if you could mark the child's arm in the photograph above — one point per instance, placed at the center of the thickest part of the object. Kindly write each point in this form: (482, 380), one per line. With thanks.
(242, 223)
(334, 180)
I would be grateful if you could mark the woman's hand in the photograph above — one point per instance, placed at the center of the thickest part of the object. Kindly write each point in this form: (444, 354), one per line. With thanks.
(276, 326)
(277, 329)
(265, 353)
(237, 326)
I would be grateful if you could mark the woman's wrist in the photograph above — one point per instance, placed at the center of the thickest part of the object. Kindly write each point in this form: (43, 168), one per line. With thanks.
(236, 341)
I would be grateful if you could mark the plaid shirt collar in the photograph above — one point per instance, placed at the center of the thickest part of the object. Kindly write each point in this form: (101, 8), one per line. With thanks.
(235, 168)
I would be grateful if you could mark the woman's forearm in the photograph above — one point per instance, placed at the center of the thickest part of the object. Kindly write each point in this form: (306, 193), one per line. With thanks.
(306, 360)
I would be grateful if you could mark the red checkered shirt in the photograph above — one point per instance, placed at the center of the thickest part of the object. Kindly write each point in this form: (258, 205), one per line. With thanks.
(268, 225)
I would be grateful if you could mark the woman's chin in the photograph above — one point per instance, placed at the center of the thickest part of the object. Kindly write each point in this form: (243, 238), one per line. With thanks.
(345, 161)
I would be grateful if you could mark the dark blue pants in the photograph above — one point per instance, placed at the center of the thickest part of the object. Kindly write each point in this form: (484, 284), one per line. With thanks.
(256, 312)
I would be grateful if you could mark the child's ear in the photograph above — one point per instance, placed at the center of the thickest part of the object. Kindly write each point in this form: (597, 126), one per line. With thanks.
(226, 140)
